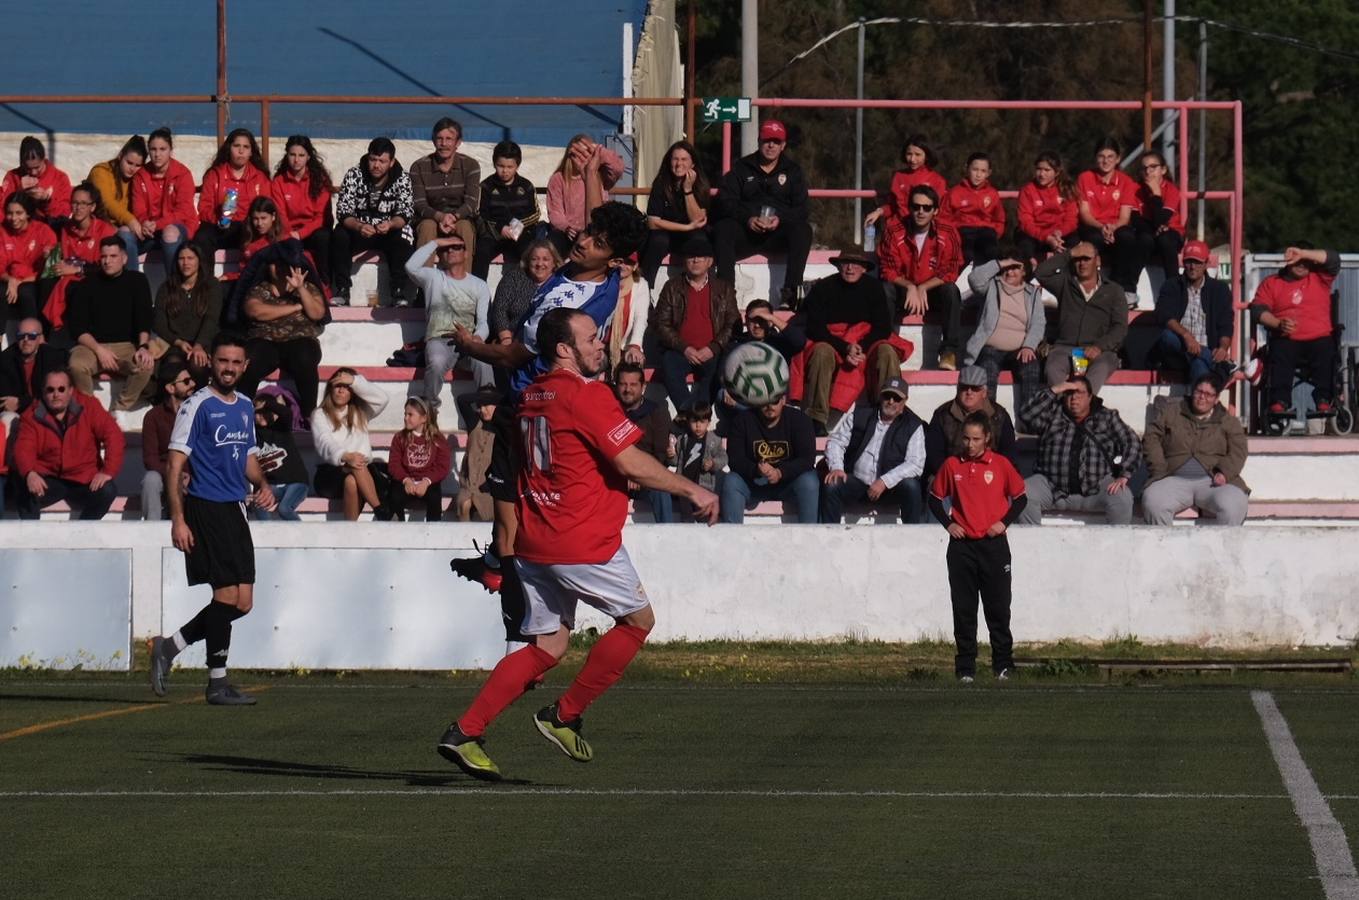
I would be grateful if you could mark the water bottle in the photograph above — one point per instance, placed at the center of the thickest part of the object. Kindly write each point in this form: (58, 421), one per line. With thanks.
(228, 208)
(870, 238)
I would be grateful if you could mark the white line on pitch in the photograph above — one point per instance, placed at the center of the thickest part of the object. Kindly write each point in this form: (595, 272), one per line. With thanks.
(511, 790)
(1330, 848)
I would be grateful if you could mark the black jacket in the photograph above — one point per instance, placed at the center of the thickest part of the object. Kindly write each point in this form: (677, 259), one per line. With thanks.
(790, 446)
(12, 384)
(747, 187)
(894, 443)
(1216, 298)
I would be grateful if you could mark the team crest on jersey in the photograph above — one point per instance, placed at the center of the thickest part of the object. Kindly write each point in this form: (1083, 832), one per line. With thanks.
(986, 201)
(1117, 194)
(988, 476)
(783, 178)
(1296, 298)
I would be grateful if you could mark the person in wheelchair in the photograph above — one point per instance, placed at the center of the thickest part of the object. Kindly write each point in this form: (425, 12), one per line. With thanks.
(1295, 305)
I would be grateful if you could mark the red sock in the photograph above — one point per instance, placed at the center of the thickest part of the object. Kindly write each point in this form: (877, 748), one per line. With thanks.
(603, 667)
(508, 681)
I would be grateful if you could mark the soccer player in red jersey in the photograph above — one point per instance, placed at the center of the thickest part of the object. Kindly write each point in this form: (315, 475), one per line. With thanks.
(579, 454)
(987, 496)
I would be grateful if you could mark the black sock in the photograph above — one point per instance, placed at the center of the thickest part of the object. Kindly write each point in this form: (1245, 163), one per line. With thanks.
(218, 633)
(195, 629)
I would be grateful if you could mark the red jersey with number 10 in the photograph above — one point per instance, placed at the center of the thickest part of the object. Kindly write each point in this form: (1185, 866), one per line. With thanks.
(572, 501)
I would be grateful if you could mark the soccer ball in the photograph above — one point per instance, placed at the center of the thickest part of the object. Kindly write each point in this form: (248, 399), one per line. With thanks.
(755, 374)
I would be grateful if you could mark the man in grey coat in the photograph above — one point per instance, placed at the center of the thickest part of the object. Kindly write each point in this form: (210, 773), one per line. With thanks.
(1092, 316)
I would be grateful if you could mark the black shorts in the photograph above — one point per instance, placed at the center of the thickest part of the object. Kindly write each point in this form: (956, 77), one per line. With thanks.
(223, 553)
(502, 473)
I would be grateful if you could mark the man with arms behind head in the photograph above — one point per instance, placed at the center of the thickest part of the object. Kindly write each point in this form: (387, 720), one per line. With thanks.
(579, 454)
(216, 429)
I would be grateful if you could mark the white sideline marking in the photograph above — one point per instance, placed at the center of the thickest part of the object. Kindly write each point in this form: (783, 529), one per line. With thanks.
(1330, 848)
(511, 790)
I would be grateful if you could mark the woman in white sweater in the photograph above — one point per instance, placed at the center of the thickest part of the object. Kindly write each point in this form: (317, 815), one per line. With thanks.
(339, 427)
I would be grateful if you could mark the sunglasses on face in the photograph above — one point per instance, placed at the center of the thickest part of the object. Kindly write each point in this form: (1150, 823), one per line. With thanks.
(55, 390)
(973, 387)
(185, 381)
(922, 207)
(892, 398)
(1082, 258)
(29, 335)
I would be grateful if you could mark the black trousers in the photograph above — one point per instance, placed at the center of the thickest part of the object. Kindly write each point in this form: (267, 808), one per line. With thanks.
(908, 495)
(487, 248)
(980, 567)
(734, 242)
(392, 246)
(1029, 247)
(213, 237)
(398, 501)
(1316, 359)
(93, 505)
(658, 244)
(27, 305)
(946, 311)
(318, 245)
(1162, 249)
(980, 245)
(299, 358)
(1123, 254)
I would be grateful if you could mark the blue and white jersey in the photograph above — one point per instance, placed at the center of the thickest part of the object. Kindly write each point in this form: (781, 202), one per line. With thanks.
(218, 436)
(598, 300)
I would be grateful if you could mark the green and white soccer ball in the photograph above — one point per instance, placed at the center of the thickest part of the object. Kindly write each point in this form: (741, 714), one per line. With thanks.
(755, 374)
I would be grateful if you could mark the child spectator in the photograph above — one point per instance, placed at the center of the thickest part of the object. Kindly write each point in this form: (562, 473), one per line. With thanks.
(279, 458)
(230, 185)
(47, 186)
(1047, 210)
(1107, 198)
(113, 180)
(302, 189)
(78, 247)
(676, 208)
(162, 203)
(472, 474)
(24, 245)
(566, 189)
(699, 454)
(918, 164)
(419, 461)
(507, 198)
(339, 426)
(264, 226)
(973, 207)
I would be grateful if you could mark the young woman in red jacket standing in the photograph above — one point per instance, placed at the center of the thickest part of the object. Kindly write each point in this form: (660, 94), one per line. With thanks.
(1157, 221)
(302, 187)
(973, 207)
(162, 203)
(236, 177)
(1047, 210)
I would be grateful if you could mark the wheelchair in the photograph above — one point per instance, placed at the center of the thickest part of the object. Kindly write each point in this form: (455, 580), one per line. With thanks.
(1341, 417)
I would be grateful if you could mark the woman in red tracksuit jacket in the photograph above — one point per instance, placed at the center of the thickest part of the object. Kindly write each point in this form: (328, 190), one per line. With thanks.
(48, 186)
(236, 177)
(973, 207)
(1047, 210)
(302, 187)
(162, 201)
(918, 164)
(24, 245)
(1157, 221)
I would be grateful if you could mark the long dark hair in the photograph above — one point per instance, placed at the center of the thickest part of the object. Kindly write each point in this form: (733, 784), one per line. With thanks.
(670, 188)
(318, 175)
(224, 151)
(90, 189)
(919, 140)
(176, 294)
(1065, 188)
(263, 204)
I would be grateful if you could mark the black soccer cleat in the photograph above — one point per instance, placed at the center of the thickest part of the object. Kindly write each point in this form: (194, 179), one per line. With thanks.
(467, 754)
(160, 666)
(475, 570)
(226, 694)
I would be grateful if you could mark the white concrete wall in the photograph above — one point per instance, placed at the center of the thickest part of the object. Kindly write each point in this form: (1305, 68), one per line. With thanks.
(1220, 587)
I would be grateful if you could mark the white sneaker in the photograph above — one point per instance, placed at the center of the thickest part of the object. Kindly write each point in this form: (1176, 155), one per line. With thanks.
(965, 679)
(1003, 675)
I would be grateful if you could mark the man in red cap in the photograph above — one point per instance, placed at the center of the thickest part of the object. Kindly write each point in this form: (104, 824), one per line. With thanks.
(1195, 312)
(763, 207)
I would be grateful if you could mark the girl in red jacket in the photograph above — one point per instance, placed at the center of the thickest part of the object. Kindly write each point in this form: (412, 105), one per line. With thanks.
(973, 207)
(264, 227)
(24, 245)
(419, 461)
(47, 186)
(302, 187)
(79, 242)
(236, 177)
(1157, 221)
(1107, 198)
(918, 164)
(162, 202)
(1047, 210)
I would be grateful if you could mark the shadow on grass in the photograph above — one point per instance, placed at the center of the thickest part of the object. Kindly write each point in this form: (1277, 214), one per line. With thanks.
(247, 765)
(57, 698)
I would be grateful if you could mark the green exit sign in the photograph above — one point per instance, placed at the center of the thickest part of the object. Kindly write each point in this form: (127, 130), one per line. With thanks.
(726, 109)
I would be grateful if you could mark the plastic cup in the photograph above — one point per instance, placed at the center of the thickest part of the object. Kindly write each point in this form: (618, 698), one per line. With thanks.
(373, 297)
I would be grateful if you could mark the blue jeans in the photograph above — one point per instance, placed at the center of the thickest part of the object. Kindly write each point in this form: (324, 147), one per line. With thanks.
(1171, 346)
(289, 497)
(662, 505)
(168, 250)
(909, 495)
(675, 370)
(738, 495)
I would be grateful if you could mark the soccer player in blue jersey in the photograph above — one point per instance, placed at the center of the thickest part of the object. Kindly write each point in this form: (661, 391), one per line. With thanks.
(216, 429)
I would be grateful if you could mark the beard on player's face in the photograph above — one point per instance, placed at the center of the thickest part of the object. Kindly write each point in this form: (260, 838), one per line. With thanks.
(590, 361)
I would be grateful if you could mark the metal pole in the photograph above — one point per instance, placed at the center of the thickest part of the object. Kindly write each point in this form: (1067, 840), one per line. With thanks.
(750, 72)
(859, 144)
(726, 147)
(1168, 78)
(1146, 74)
(689, 74)
(221, 71)
(1203, 124)
(264, 131)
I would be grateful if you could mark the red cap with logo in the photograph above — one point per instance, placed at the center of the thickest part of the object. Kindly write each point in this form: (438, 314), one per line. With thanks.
(1196, 250)
(772, 129)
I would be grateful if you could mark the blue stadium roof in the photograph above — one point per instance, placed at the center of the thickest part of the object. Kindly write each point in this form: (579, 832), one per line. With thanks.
(386, 48)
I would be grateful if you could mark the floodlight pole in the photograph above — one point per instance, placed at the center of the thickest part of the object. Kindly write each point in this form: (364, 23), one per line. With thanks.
(1203, 127)
(1168, 79)
(221, 72)
(859, 143)
(1146, 74)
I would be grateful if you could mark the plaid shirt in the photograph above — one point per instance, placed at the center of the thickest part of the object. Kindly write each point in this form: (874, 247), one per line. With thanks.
(1102, 437)
(1193, 319)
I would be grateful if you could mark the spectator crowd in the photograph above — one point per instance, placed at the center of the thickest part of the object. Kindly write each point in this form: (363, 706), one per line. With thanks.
(79, 309)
